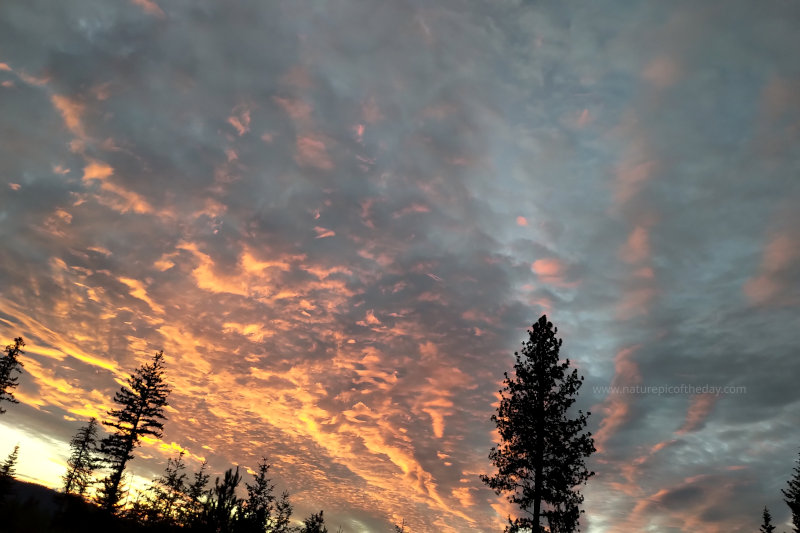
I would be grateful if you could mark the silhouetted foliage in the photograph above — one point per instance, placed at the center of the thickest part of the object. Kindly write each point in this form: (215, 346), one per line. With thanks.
(222, 511)
(401, 528)
(792, 496)
(283, 515)
(766, 525)
(10, 365)
(192, 511)
(541, 458)
(167, 494)
(314, 524)
(82, 461)
(262, 512)
(143, 401)
(8, 471)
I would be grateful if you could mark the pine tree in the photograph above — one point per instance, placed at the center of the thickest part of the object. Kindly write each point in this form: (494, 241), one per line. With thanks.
(541, 458)
(222, 510)
(283, 515)
(792, 496)
(141, 414)
(260, 504)
(9, 365)
(83, 461)
(191, 512)
(314, 524)
(168, 493)
(767, 526)
(7, 472)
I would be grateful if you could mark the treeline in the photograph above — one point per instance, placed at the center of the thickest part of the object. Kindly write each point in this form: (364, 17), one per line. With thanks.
(177, 500)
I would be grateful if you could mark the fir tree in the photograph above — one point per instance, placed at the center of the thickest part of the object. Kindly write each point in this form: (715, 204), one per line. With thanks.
(283, 515)
(191, 512)
(222, 510)
(314, 524)
(540, 459)
(792, 496)
(10, 365)
(260, 505)
(82, 461)
(7, 472)
(766, 526)
(142, 403)
(167, 493)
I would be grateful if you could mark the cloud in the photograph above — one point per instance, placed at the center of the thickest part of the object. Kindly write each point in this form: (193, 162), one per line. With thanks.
(338, 223)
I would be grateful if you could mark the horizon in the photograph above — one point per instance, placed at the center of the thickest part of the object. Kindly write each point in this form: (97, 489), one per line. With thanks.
(338, 219)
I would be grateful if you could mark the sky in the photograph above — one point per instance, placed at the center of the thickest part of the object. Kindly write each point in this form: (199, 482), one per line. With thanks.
(338, 217)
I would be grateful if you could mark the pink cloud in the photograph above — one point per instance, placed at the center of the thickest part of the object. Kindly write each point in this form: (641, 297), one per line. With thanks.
(699, 409)
(71, 112)
(662, 72)
(240, 121)
(149, 7)
(615, 410)
(584, 119)
(297, 109)
(324, 233)
(769, 285)
(522, 221)
(311, 152)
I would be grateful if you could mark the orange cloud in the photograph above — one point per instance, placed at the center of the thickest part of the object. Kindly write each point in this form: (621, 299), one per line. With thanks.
(616, 407)
(637, 249)
(96, 170)
(297, 109)
(311, 152)
(699, 409)
(768, 286)
(662, 72)
(150, 7)
(71, 112)
(240, 120)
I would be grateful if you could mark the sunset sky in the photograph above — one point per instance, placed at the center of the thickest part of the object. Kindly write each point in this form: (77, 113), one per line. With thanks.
(338, 217)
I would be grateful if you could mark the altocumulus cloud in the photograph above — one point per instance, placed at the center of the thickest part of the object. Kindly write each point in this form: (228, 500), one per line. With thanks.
(338, 218)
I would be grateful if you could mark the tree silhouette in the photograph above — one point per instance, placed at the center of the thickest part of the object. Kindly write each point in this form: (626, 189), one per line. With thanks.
(283, 515)
(259, 508)
(167, 493)
(766, 526)
(792, 496)
(9, 365)
(314, 524)
(191, 512)
(541, 458)
(82, 461)
(401, 528)
(8, 471)
(222, 509)
(143, 401)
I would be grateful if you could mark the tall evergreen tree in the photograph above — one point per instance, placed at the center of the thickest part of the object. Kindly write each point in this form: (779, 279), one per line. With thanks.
(259, 507)
(540, 460)
(167, 493)
(314, 524)
(191, 512)
(7, 471)
(792, 496)
(222, 511)
(10, 365)
(82, 461)
(766, 526)
(283, 515)
(142, 403)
